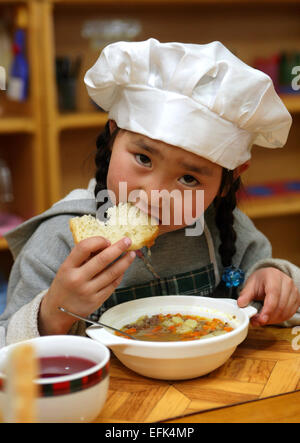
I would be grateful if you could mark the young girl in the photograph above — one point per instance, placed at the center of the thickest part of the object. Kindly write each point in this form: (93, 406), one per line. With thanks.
(181, 117)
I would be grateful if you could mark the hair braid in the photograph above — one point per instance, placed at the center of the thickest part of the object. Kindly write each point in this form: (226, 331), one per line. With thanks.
(104, 143)
(224, 221)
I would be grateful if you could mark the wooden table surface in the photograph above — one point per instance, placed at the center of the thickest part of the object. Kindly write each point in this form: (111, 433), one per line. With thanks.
(259, 383)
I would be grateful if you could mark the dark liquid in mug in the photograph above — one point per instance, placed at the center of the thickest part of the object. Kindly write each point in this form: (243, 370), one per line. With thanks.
(61, 365)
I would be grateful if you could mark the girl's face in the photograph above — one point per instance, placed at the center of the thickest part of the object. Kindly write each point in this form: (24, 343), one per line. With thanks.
(168, 178)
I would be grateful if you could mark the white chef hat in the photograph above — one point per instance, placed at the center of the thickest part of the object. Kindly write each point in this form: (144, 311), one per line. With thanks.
(201, 98)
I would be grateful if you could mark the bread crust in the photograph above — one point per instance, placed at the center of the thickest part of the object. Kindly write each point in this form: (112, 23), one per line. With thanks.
(72, 226)
(147, 239)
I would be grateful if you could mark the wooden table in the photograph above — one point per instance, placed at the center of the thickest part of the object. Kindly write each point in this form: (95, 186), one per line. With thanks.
(259, 383)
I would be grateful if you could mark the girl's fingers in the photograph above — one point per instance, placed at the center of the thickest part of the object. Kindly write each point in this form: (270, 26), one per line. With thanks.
(290, 303)
(83, 250)
(282, 311)
(291, 306)
(105, 293)
(248, 293)
(268, 312)
(255, 320)
(104, 258)
(111, 273)
(277, 290)
(277, 299)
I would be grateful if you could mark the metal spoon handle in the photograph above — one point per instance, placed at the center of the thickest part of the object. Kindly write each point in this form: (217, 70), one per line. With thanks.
(97, 323)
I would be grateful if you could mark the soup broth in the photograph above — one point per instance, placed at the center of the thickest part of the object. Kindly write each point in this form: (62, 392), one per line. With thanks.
(175, 327)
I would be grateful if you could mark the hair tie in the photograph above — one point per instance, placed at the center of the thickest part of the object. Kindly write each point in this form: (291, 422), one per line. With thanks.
(233, 276)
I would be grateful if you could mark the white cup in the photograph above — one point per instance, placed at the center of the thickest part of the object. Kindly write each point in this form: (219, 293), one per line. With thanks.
(78, 397)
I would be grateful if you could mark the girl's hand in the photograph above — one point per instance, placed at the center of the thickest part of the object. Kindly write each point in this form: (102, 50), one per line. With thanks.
(83, 282)
(280, 295)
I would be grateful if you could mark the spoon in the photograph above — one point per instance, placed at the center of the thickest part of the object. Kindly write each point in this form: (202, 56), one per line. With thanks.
(97, 323)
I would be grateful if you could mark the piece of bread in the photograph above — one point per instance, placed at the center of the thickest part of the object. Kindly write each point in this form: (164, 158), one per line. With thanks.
(124, 220)
(21, 390)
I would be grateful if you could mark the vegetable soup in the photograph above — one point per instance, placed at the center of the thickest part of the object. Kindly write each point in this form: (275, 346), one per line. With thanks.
(175, 327)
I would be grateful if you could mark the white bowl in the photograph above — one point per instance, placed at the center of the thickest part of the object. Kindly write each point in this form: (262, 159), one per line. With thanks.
(78, 397)
(174, 360)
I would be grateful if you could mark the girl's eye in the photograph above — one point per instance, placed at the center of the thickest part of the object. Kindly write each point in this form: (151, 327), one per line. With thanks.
(143, 160)
(189, 180)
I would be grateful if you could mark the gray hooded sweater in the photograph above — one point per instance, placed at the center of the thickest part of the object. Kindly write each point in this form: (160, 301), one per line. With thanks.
(40, 245)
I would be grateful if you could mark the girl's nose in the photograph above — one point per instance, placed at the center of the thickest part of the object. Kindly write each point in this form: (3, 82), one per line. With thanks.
(150, 198)
(157, 182)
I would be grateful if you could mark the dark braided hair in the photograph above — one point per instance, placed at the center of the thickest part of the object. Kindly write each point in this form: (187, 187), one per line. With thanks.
(224, 202)
(104, 143)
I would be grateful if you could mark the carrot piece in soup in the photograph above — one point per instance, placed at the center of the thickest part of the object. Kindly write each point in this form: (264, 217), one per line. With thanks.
(157, 328)
(130, 330)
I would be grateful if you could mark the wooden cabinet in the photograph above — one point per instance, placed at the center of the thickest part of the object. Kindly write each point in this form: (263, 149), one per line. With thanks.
(61, 146)
(21, 127)
(21, 132)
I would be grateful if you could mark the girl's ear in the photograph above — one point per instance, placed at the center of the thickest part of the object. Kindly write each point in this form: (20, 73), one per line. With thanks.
(240, 169)
(112, 126)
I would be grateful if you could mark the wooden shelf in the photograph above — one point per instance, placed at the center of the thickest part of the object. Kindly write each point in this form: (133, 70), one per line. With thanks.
(22, 125)
(81, 120)
(3, 244)
(270, 206)
(16, 124)
(292, 102)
